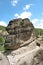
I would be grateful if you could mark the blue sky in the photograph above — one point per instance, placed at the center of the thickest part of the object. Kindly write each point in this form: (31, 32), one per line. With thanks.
(32, 9)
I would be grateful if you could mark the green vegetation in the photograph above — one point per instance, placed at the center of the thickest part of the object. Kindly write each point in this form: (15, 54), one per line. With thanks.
(2, 48)
(2, 40)
(38, 32)
(22, 23)
(2, 28)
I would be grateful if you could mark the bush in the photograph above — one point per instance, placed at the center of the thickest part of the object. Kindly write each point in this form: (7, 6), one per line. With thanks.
(2, 28)
(2, 48)
(2, 40)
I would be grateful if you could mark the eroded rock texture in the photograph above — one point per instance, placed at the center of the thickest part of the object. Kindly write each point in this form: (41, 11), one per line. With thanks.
(32, 57)
(19, 30)
(3, 59)
(21, 38)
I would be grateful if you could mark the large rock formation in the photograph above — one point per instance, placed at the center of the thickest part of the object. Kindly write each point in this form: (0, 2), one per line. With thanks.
(25, 56)
(21, 38)
(20, 30)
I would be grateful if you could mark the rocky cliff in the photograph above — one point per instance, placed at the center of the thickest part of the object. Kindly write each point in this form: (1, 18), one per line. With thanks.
(20, 30)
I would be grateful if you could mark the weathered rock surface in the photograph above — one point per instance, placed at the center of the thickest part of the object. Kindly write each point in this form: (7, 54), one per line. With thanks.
(3, 59)
(20, 30)
(25, 56)
(26, 49)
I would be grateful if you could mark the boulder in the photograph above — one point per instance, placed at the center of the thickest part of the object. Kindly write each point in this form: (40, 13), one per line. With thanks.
(20, 30)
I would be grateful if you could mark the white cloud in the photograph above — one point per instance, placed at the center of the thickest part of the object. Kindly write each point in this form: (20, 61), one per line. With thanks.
(3, 23)
(38, 23)
(41, 23)
(27, 7)
(41, 20)
(34, 21)
(16, 15)
(42, 13)
(23, 15)
(14, 2)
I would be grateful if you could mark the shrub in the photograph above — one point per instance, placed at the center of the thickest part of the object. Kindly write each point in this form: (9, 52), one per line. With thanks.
(2, 40)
